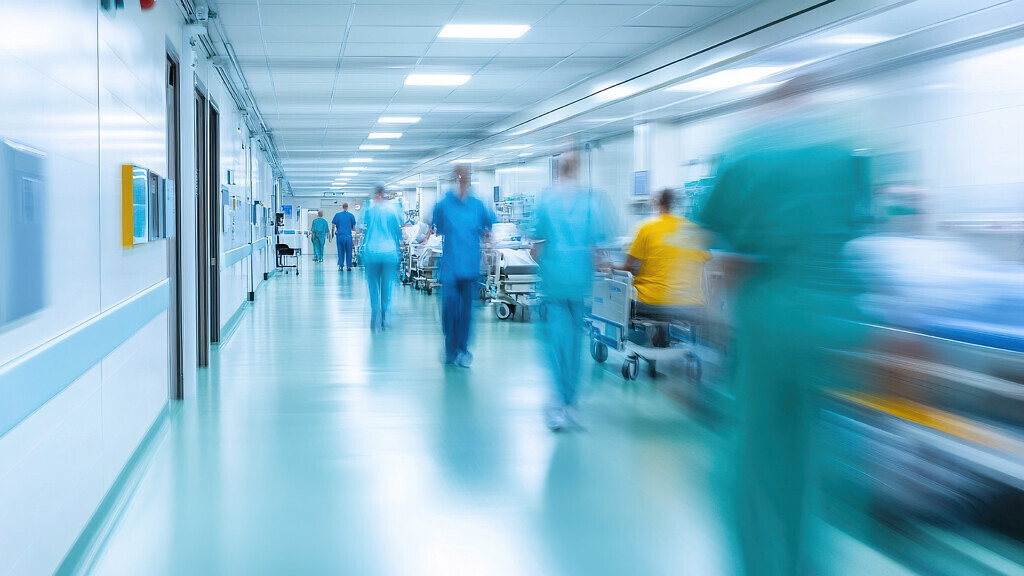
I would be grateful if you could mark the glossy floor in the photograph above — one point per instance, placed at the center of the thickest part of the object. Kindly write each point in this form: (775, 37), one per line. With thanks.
(314, 448)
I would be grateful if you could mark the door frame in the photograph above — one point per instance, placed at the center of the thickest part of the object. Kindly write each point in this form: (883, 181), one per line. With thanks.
(202, 226)
(175, 320)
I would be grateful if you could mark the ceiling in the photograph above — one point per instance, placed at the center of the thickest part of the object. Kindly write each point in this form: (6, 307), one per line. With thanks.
(324, 71)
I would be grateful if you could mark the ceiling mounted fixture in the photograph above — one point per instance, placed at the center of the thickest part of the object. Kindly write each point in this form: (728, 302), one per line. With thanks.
(384, 135)
(484, 31)
(360, 159)
(398, 119)
(525, 154)
(466, 160)
(515, 147)
(728, 79)
(374, 146)
(436, 79)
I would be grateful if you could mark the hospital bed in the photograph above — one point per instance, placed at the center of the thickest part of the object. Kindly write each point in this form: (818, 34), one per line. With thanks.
(422, 265)
(510, 281)
(613, 319)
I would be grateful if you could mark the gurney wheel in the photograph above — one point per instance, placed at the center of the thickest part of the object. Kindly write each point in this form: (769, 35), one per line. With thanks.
(652, 369)
(630, 368)
(503, 311)
(598, 351)
(694, 369)
(430, 289)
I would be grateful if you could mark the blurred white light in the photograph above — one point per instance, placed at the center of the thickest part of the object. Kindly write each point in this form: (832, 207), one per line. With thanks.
(398, 119)
(436, 79)
(384, 135)
(607, 93)
(354, 169)
(496, 31)
(525, 154)
(466, 160)
(374, 146)
(515, 147)
(728, 79)
(360, 159)
(852, 39)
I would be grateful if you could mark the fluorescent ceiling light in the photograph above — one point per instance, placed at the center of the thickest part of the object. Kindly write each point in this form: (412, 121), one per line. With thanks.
(853, 39)
(728, 79)
(525, 154)
(360, 159)
(351, 173)
(466, 160)
(384, 135)
(436, 79)
(607, 93)
(374, 146)
(398, 119)
(489, 31)
(515, 147)
(354, 169)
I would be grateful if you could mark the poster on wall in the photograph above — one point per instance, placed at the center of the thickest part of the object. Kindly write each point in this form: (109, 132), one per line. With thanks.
(640, 183)
(134, 205)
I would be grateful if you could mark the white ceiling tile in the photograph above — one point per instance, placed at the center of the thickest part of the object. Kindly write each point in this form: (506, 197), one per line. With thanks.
(244, 34)
(642, 34)
(304, 49)
(677, 16)
(239, 15)
(397, 34)
(380, 49)
(303, 33)
(540, 50)
(511, 13)
(467, 49)
(403, 15)
(302, 14)
(564, 34)
(608, 50)
(592, 15)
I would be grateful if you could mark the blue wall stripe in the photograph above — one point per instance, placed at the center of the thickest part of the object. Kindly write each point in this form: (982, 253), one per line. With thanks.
(30, 381)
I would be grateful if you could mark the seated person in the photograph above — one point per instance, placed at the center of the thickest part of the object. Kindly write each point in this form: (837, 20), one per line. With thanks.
(667, 261)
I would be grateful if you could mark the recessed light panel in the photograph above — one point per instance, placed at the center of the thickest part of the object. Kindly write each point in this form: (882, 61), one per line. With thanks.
(484, 31)
(436, 79)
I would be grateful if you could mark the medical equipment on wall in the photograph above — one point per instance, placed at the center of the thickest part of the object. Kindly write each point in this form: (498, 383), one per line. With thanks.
(22, 235)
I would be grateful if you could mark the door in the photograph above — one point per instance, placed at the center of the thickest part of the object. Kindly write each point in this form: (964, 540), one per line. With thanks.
(173, 223)
(202, 181)
(214, 216)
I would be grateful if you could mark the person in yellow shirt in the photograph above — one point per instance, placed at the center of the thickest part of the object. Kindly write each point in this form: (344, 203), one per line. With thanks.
(667, 261)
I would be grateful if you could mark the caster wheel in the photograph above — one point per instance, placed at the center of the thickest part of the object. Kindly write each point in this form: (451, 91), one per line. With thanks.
(503, 311)
(598, 351)
(630, 368)
(652, 369)
(430, 290)
(694, 369)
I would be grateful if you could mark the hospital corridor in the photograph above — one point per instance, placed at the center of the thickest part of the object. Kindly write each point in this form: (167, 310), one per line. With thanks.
(512, 288)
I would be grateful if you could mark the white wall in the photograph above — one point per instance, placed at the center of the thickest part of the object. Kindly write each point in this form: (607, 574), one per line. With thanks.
(87, 89)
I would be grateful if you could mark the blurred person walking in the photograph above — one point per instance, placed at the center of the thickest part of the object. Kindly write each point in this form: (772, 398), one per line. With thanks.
(318, 232)
(343, 224)
(788, 197)
(462, 219)
(381, 255)
(571, 221)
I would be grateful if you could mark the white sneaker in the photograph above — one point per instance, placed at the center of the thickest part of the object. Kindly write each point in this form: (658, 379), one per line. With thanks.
(556, 417)
(464, 359)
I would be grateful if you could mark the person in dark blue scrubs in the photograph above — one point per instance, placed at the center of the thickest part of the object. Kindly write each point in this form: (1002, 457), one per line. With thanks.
(463, 220)
(344, 222)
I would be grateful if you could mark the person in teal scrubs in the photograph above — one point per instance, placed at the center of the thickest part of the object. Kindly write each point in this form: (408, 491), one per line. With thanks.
(788, 196)
(571, 220)
(381, 255)
(318, 231)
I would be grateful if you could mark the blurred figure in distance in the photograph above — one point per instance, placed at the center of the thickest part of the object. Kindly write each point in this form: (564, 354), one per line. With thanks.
(381, 243)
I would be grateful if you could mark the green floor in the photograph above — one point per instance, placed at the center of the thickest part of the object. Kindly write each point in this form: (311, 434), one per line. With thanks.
(314, 448)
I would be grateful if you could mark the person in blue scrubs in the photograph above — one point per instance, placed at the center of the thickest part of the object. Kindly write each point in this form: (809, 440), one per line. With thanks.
(571, 221)
(463, 220)
(318, 232)
(343, 224)
(381, 255)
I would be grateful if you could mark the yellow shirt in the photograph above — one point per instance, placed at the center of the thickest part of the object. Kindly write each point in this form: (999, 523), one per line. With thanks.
(672, 256)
